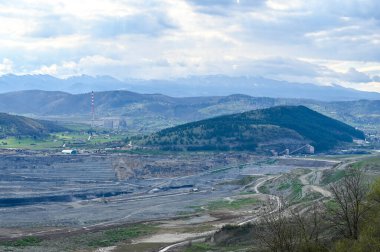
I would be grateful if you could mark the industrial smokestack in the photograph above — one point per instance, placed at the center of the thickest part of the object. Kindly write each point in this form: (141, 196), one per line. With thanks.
(92, 109)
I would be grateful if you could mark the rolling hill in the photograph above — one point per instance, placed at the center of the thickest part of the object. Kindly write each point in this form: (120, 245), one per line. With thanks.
(11, 125)
(273, 128)
(152, 112)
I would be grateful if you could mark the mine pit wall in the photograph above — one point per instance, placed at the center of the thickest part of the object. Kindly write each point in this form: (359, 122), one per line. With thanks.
(94, 167)
(112, 167)
(78, 190)
(39, 179)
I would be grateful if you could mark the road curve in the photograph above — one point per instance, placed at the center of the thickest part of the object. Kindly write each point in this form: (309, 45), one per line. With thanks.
(256, 189)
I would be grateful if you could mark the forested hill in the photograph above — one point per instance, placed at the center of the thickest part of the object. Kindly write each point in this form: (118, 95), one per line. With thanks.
(273, 128)
(152, 112)
(11, 125)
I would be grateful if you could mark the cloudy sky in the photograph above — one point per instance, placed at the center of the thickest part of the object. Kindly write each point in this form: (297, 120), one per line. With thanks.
(319, 41)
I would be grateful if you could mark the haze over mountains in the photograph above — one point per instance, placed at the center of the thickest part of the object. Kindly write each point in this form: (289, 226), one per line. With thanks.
(163, 111)
(212, 85)
(158, 104)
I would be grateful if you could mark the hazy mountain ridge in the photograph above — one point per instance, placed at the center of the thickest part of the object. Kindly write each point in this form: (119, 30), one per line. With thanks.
(277, 127)
(212, 85)
(171, 109)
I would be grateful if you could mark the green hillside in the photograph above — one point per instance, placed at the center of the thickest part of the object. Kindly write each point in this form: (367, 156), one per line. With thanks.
(11, 125)
(149, 113)
(273, 128)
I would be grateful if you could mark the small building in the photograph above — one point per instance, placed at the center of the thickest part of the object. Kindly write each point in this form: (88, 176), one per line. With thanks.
(70, 152)
(310, 149)
(286, 152)
(274, 153)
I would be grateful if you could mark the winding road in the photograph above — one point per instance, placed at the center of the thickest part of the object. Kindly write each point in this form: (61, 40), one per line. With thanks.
(313, 187)
(205, 235)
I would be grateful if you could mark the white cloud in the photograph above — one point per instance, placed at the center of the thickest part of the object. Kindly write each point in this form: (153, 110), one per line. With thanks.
(353, 75)
(6, 66)
(305, 41)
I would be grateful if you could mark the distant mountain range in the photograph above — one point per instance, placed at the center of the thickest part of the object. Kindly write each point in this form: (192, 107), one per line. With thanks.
(214, 85)
(11, 125)
(151, 112)
(275, 128)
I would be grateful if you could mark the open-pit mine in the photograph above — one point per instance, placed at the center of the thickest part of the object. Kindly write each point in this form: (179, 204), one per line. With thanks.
(51, 195)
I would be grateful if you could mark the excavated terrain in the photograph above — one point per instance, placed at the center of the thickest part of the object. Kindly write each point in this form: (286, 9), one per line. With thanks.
(46, 193)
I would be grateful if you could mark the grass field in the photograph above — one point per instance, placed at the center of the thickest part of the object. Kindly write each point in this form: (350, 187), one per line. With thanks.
(57, 140)
(372, 163)
(30, 143)
(113, 236)
(231, 204)
(330, 176)
(296, 186)
(81, 242)
(205, 247)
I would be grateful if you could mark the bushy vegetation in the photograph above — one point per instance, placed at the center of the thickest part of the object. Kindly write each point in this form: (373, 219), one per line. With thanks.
(372, 163)
(296, 186)
(349, 221)
(11, 125)
(331, 176)
(368, 236)
(246, 131)
(23, 242)
(113, 236)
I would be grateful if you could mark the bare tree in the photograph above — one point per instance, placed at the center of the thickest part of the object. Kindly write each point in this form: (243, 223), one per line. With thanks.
(286, 229)
(309, 225)
(349, 196)
(275, 233)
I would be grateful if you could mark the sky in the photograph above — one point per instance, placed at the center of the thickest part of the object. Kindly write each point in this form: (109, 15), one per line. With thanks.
(316, 41)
